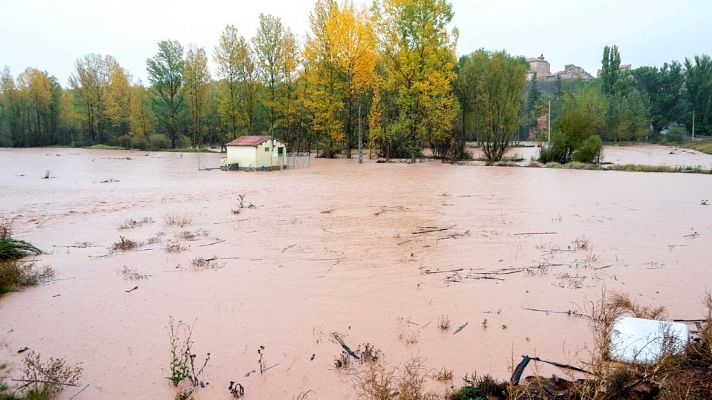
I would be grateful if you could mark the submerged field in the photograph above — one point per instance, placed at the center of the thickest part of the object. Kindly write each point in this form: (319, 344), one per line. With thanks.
(377, 253)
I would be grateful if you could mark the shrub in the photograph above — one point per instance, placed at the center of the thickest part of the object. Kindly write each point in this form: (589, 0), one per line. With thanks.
(589, 151)
(675, 133)
(125, 244)
(14, 275)
(182, 142)
(139, 142)
(47, 378)
(158, 142)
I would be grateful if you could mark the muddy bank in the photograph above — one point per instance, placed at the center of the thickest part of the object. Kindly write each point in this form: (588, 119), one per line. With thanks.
(376, 252)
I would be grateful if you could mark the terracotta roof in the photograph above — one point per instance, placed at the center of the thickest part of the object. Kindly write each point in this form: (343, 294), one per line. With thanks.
(248, 141)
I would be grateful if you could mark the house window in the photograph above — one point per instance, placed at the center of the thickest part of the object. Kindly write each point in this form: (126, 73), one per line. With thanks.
(267, 148)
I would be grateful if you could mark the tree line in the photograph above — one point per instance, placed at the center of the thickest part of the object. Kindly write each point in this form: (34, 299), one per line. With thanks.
(390, 70)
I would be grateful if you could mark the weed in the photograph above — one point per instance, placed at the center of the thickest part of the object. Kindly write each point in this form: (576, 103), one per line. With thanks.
(135, 223)
(48, 378)
(180, 220)
(5, 230)
(581, 243)
(484, 323)
(481, 387)
(125, 244)
(443, 375)
(182, 363)
(184, 394)
(241, 202)
(132, 274)
(15, 275)
(236, 389)
(157, 238)
(377, 383)
(343, 360)
(174, 247)
(369, 354)
(444, 322)
(200, 263)
(260, 358)
(190, 236)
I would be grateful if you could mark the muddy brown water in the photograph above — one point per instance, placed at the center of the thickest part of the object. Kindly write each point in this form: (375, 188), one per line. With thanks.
(330, 249)
(646, 154)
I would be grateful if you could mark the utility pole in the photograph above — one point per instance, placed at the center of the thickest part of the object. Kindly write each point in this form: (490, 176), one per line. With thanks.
(360, 135)
(693, 124)
(548, 122)
(271, 153)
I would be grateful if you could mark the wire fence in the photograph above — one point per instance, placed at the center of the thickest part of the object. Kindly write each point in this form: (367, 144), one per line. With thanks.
(298, 160)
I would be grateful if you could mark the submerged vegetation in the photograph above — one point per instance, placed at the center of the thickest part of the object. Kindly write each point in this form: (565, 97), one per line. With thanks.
(15, 274)
(14, 249)
(41, 379)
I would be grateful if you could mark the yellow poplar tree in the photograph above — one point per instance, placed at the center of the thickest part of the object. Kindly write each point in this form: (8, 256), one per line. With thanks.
(118, 104)
(354, 47)
(341, 53)
(419, 60)
(197, 79)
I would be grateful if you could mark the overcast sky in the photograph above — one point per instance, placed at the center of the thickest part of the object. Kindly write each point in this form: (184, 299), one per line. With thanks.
(52, 34)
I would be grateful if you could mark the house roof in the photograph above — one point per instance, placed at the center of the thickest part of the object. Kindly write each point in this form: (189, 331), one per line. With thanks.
(248, 141)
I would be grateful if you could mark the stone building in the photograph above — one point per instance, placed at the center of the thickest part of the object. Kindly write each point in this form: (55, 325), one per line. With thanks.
(540, 67)
(572, 72)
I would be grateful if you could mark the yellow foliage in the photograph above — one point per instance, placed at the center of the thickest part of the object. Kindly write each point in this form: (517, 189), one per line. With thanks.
(340, 57)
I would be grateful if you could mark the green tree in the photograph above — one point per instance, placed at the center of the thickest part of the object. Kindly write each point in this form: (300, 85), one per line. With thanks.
(610, 69)
(197, 79)
(118, 104)
(228, 54)
(418, 61)
(90, 82)
(269, 49)
(582, 120)
(493, 86)
(165, 73)
(699, 92)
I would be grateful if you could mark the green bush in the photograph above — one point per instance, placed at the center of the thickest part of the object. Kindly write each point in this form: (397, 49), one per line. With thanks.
(589, 151)
(158, 141)
(675, 133)
(139, 142)
(182, 142)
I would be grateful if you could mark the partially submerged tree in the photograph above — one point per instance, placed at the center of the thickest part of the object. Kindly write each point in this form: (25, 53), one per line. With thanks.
(165, 72)
(417, 71)
(493, 84)
(197, 80)
(582, 120)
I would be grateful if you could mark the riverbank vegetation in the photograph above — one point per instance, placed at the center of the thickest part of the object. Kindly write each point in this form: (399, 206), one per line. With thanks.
(388, 71)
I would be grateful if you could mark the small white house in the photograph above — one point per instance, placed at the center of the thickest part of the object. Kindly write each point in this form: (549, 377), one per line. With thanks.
(255, 152)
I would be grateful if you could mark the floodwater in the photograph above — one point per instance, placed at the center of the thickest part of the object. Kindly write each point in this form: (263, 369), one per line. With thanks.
(646, 154)
(337, 247)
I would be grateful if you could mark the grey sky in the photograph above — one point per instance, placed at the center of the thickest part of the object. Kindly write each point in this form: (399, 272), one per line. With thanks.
(51, 34)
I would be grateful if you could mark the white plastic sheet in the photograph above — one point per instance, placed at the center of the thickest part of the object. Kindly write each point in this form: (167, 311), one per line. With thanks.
(644, 341)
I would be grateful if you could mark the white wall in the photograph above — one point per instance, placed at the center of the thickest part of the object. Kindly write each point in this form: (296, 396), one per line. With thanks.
(255, 157)
(244, 156)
